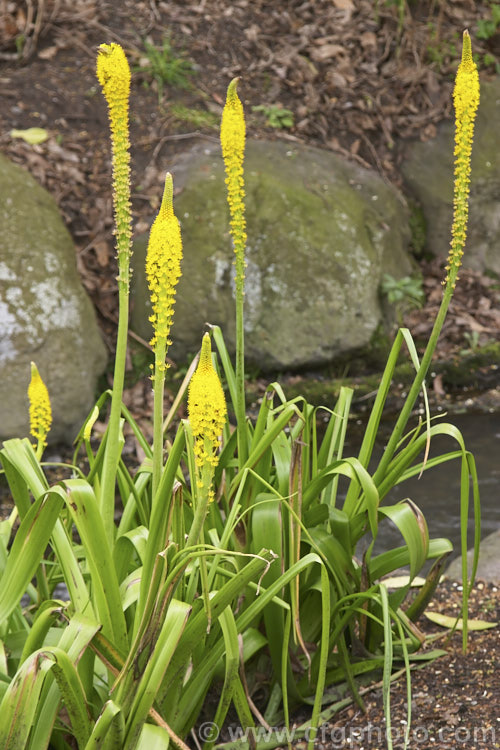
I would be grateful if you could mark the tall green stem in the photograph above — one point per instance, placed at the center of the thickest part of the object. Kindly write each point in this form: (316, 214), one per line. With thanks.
(240, 406)
(466, 101)
(420, 376)
(232, 136)
(113, 443)
(113, 73)
(163, 270)
(159, 387)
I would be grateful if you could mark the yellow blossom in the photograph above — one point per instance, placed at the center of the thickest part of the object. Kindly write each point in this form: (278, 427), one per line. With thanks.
(206, 408)
(40, 410)
(466, 101)
(163, 265)
(113, 73)
(232, 136)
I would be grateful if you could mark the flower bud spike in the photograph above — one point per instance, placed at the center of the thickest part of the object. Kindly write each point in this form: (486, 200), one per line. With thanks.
(466, 101)
(206, 408)
(232, 136)
(163, 265)
(113, 73)
(40, 409)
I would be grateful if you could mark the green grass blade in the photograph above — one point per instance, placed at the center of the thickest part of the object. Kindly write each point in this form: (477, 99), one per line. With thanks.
(386, 679)
(149, 685)
(108, 727)
(74, 640)
(19, 704)
(230, 635)
(226, 365)
(72, 693)
(159, 516)
(372, 427)
(44, 619)
(324, 651)
(21, 457)
(413, 527)
(153, 738)
(267, 440)
(86, 515)
(28, 549)
(72, 574)
(266, 529)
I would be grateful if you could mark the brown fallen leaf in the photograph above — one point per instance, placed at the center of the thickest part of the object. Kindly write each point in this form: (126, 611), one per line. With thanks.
(48, 53)
(102, 252)
(368, 39)
(327, 52)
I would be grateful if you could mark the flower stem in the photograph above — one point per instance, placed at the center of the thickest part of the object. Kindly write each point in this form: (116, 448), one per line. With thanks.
(158, 390)
(113, 73)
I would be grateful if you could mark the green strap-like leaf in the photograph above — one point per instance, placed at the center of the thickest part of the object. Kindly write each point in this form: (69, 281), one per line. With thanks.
(72, 693)
(150, 682)
(19, 704)
(230, 635)
(28, 549)
(74, 639)
(84, 509)
(108, 730)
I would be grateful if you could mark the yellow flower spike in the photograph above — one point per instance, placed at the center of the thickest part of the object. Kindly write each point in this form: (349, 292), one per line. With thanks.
(232, 136)
(466, 101)
(206, 408)
(40, 409)
(163, 265)
(113, 73)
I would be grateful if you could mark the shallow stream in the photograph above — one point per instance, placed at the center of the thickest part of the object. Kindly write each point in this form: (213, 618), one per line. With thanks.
(437, 492)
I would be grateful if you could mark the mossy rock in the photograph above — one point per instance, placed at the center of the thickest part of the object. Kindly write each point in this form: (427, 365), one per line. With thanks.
(45, 314)
(321, 233)
(428, 172)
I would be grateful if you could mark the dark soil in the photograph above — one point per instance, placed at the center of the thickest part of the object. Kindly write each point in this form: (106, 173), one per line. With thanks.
(454, 702)
(359, 79)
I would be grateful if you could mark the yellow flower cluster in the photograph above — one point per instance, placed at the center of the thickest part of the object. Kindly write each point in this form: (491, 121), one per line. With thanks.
(206, 408)
(232, 136)
(113, 73)
(163, 265)
(466, 101)
(40, 409)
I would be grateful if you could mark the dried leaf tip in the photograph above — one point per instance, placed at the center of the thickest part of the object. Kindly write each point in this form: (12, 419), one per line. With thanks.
(466, 47)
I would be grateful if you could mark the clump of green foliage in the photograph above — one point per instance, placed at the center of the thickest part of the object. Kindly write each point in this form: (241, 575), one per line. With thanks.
(228, 559)
(403, 293)
(166, 66)
(440, 50)
(199, 118)
(487, 27)
(276, 116)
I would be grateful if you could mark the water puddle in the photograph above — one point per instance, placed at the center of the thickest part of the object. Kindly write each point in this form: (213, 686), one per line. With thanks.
(437, 492)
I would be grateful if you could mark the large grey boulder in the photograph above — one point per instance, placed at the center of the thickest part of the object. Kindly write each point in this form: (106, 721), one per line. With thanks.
(321, 233)
(428, 171)
(488, 568)
(45, 314)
